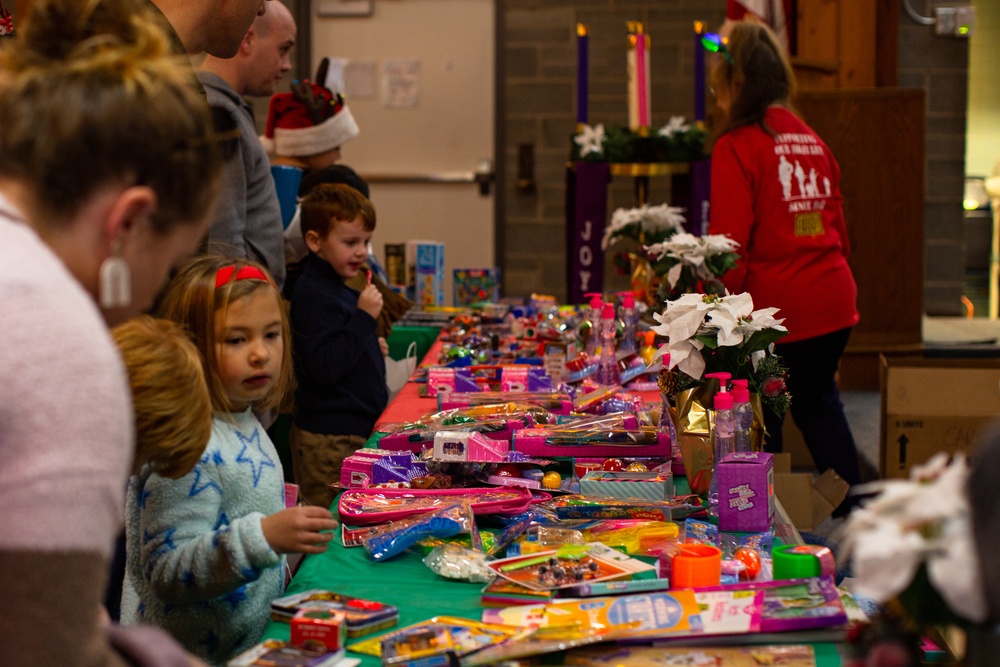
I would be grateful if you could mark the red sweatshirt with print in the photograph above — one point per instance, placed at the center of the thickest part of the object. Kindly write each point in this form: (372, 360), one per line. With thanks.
(779, 197)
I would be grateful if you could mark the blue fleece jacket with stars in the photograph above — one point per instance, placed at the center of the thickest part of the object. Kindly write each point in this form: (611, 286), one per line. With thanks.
(197, 563)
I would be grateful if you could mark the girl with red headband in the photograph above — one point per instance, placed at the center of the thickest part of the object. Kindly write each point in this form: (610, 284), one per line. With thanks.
(205, 552)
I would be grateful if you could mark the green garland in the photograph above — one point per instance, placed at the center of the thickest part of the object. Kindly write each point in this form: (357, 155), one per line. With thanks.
(621, 144)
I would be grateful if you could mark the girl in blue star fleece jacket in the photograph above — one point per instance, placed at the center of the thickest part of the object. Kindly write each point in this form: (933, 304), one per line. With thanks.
(204, 552)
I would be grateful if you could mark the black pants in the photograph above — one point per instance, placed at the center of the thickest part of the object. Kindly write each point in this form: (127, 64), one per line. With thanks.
(816, 407)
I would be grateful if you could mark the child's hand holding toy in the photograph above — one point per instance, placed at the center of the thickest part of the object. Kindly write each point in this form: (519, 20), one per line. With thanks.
(370, 301)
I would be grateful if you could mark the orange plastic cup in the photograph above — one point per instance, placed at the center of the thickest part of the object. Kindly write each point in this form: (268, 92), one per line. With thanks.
(696, 565)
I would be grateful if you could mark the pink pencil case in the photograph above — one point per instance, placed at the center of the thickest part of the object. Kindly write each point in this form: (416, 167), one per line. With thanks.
(363, 507)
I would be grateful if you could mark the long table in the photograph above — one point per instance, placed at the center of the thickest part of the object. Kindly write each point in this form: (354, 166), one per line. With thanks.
(405, 581)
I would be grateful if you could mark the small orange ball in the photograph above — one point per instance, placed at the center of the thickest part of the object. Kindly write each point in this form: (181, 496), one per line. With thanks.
(751, 559)
(636, 467)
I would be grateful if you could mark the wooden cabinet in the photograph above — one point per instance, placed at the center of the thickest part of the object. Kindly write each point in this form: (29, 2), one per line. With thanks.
(846, 43)
(877, 136)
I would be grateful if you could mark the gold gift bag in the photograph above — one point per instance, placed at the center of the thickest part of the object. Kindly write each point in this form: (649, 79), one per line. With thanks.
(693, 419)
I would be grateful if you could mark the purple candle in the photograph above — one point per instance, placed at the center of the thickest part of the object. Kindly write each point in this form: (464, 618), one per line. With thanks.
(699, 72)
(581, 74)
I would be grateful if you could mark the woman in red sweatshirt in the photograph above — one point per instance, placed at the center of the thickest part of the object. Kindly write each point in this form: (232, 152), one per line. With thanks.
(776, 190)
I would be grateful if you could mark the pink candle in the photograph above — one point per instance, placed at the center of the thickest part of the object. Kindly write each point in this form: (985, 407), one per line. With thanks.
(638, 79)
(581, 74)
(642, 77)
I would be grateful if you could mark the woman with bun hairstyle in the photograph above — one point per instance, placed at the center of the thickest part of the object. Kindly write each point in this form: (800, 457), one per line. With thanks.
(776, 191)
(109, 169)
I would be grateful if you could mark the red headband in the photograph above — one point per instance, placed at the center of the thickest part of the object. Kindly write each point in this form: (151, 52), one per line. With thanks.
(246, 272)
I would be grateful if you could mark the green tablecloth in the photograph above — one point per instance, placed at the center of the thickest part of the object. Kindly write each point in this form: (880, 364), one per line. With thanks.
(406, 583)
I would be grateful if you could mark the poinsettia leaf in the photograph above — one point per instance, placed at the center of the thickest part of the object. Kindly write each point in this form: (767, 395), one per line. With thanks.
(761, 339)
(709, 341)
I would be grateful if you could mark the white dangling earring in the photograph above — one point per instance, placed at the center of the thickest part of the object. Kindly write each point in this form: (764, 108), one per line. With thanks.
(115, 281)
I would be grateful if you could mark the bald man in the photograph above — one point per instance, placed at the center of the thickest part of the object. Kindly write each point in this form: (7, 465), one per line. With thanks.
(215, 27)
(248, 219)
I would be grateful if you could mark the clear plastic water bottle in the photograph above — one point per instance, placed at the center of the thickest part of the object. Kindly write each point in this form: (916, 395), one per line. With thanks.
(607, 370)
(666, 424)
(724, 438)
(743, 413)
(590, 329)
(630, 319)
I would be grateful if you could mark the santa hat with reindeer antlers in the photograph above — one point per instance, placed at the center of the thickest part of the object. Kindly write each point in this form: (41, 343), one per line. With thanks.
(309, 120)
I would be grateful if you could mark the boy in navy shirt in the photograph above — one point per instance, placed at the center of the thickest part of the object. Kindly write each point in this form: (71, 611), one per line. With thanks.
(339, 359)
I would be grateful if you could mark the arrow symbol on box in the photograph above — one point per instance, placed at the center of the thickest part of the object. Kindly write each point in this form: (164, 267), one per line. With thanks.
(902, 449)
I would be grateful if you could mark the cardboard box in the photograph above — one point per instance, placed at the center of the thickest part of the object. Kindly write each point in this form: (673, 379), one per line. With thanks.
(807, 501)
(425, 265)
(475, 286)
(932, 405)
(638, 485)
(746, 492)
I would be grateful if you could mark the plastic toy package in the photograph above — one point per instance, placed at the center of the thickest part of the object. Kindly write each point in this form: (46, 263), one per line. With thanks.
(454, 562)
(460, 637)
(581, 507)
(362, 507)
(552, 401)
(569, 565)
(273, 652)
(445, 522)
(644, 441)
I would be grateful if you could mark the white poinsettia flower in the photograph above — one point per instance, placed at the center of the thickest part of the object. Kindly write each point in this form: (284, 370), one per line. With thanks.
(954, 571)
(944, 497)
(590, 140)
(685, 356)
(650, 219)
(664, 217)
(674, 274)
(717, 244)
(925, 519)
(885, 559)
(683, 317)
(677, 125)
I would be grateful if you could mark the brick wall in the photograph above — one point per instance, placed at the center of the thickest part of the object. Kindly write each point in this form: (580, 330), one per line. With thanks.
(940, 65)
(538, 48)
(539, 89)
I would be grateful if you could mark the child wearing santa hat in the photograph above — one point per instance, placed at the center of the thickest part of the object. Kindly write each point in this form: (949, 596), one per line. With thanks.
(306, 127)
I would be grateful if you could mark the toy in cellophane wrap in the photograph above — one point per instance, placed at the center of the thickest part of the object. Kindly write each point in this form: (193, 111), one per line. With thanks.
(570, 565)
(591, 442)
(553, 401)
(447, 521)
(363, 507)
(582, 507)
(449, 637)
(454, 562)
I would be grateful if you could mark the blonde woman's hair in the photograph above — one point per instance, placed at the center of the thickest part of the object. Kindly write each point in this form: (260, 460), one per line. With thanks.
(91, 94)
(192, 300)
(757, 72)
(173, 410)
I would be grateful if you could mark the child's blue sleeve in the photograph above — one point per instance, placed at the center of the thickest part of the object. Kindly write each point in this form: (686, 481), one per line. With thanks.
(190, 549)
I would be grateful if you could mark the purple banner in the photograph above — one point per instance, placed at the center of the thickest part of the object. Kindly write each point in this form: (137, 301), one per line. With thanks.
(586, 213)
(691, 191)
